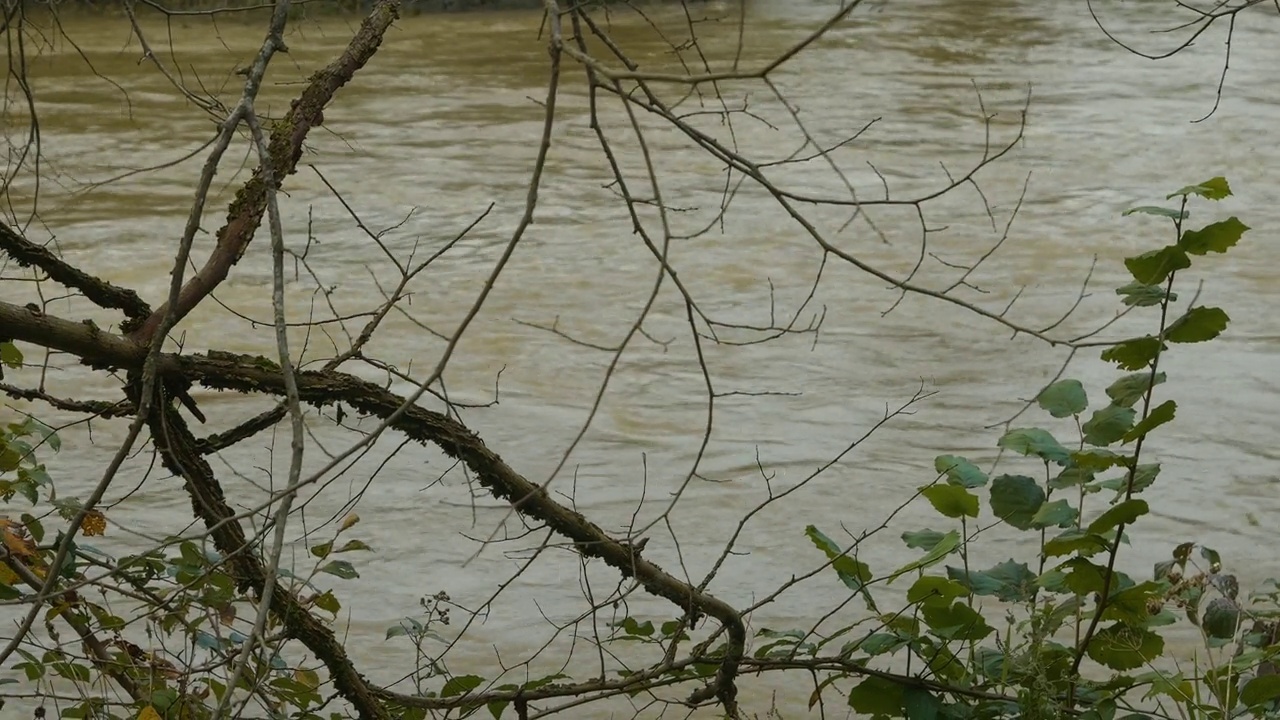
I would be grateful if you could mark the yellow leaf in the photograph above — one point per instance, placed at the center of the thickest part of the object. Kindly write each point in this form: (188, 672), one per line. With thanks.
(15, 538)
(349, 521)
(307, 677)
(95, 523)
(148, 713)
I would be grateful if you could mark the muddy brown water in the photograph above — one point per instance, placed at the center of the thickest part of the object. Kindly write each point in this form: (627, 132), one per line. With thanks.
(446, 121)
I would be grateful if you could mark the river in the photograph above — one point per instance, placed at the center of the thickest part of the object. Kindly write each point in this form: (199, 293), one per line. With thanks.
(446, 121)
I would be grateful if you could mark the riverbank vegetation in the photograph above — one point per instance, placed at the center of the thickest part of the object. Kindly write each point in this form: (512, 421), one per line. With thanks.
(247, 609)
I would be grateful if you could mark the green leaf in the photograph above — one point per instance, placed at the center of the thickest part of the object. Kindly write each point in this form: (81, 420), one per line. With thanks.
(1198, 325)
(933, 589)
(876, 696)
(955, 622)
(1058, 513)
(880, 643)
(1260, 690)
(1212, 189)
(1034, 441)
(1124, 647)
(460, 685)
(960, 471)
(322, 550)
(1121, 514)
(1015, 499)
(8, 592)
(1008, 581)
(1083, 577)
(326, 601)
(1135, 353)
(1157, 211)
(1216, 237)
(1064, 398)
(496, 707)
(1151, 268)
(1136, 294)
(922, 539)
(1108, 425)
(1157, 417)
(952, 501)
(1075, 541)
(1143, 476)
(853, 574)
(350, 545)
(1131, 605)
(1129, 389)
(1071, 476)
(945, 546)
(341, 568)
(10, 355)
(1099, 459)
(921, 704)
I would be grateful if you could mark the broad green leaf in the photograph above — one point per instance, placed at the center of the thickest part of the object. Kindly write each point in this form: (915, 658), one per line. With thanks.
(1108, 425)
(1198, 325)
(1132, 605)
(1058, 513)
(1129, 389)
(1008, 581)
(322, 550)
(853, 574)
(960, 471)
(1154, 419)
(922, 539)
(1216, 237)
(1071, 476)
(1135, 353)
(920, 704)
(1157, 211)
(1015, 499)
(1075, 541)
(930, 588)
(1123, 647)
(1064, 398)
(1083, 577)
(876, 696)
(350, 545)
(340, 568)
(1221, 618)
(952, 501)
(1121, 514)
(1260, 690)
(945, 546)
(460, 685)
(1136, 294)
(1099, 459)
(1034, 441)
(10, 355)
(8, 592)
(327, 602)
(955, 622)
(1212, 189)
(880, 643)
(1144, 475)
(1151, 268)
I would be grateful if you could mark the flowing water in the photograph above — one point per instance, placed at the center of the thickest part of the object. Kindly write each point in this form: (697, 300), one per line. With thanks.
(446, 122)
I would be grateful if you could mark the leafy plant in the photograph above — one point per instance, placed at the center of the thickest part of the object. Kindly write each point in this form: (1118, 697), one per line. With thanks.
(1064, 632)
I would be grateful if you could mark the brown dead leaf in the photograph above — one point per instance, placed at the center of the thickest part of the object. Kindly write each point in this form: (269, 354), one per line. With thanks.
(94, 524)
